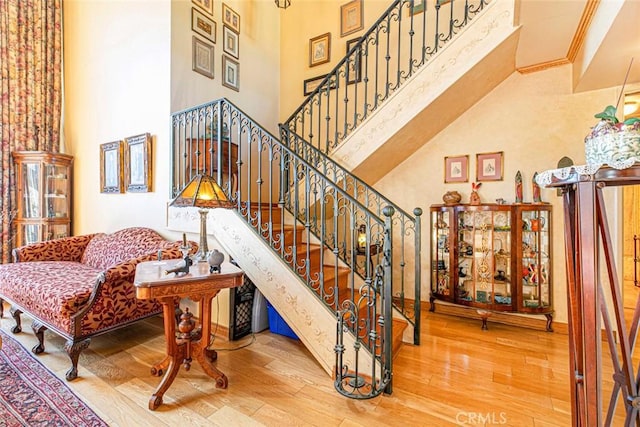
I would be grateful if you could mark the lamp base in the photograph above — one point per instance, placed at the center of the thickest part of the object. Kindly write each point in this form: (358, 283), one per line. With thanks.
(203, 250)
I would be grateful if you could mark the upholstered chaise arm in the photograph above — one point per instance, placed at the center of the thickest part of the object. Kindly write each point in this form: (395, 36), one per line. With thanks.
(64, 249)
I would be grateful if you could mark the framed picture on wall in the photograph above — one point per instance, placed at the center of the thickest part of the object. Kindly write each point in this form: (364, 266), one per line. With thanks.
(137, 163)
(489, 166)
(111, 167)
(456, 169)
(203, 25)
(319, 49)
(230, 18)
(206, 5)
(309, 85)
(351, 18)
(202, 57)
(230, 73)
(418, 7)
(355, 63)
(231, 42)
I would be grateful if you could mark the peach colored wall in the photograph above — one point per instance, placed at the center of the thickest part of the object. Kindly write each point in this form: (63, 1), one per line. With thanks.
(535, 120)
(117, 61)
(128, 65)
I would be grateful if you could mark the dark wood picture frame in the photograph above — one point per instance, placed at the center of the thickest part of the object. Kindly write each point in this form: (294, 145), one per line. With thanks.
(137, 163)
(355, 63)
(111, 167)
(309, 85)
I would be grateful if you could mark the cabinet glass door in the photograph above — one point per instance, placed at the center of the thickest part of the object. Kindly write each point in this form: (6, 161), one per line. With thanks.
(535, 265)
(484, 259)
(441, 277)
(31, 233)
(56, 192)
(31, 191)
(56, 231)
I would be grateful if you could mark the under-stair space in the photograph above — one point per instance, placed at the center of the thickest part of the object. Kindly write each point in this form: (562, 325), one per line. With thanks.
(333, 283)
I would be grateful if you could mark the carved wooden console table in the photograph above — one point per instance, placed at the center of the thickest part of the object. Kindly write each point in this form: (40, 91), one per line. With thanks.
(198, 285)
(587, 236)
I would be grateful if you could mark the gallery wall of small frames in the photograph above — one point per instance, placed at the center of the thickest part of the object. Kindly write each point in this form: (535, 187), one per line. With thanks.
(351, 21)
(205, 37)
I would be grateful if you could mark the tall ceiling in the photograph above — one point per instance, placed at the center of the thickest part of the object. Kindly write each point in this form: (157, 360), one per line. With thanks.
(556, 32)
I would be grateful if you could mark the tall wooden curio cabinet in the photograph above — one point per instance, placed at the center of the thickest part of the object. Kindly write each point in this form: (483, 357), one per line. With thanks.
(43, 196)
(493, 257)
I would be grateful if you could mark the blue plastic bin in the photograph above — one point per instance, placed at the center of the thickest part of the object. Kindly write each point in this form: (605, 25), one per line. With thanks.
(277, 325)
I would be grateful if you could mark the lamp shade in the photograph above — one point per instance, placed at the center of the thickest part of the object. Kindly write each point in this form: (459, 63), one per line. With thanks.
(202, 192)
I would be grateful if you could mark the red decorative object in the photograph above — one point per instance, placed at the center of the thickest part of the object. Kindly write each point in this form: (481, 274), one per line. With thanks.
(474, 199)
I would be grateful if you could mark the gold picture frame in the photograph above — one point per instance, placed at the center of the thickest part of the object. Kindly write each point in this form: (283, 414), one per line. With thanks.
(202, 25)
(319, 49)
(489, 166)
(111, 167)
(137, 163)
(456, 169)
(206, 5)
(230, 18)
(351, 15)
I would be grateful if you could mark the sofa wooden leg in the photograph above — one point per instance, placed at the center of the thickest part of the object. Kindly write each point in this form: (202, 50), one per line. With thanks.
(38, 330)
(1, 307)
(74, 349)
(15, 313)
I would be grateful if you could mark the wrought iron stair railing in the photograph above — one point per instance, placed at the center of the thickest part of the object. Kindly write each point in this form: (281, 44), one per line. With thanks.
(262, 176)
(401, 41)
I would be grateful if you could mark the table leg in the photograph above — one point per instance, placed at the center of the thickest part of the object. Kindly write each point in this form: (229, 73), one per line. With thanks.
(175, 354)
(203, 355)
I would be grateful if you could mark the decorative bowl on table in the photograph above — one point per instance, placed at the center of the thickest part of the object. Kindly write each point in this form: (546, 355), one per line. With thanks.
(613, 143)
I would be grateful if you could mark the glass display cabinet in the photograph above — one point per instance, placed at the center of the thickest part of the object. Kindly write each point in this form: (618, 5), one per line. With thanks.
(441, 255)
(43, 196)
(484, 257)
(492, 257)
(534, 266)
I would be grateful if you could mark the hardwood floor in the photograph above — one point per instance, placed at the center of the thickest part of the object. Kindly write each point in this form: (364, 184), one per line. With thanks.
(459, 375)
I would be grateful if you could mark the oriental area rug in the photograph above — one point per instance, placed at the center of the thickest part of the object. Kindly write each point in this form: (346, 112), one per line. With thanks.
(30, 395)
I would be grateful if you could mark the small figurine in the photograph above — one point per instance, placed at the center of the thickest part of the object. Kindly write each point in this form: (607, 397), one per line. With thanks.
(474, 198)
(536, 189)
(518, 187)
(215, 259)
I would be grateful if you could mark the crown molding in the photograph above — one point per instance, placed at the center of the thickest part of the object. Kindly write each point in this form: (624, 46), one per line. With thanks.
(576, 43)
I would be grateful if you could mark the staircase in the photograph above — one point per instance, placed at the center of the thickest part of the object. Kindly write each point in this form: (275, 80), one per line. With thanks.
(339, 261)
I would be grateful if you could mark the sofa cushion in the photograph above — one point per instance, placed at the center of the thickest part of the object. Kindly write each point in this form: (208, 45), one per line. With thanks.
(107, 250)
(52, 290)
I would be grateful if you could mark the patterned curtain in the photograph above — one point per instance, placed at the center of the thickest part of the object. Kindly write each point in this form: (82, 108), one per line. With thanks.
(30, 91)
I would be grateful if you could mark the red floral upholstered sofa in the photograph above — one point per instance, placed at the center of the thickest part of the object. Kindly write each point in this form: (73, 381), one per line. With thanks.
(81, 286)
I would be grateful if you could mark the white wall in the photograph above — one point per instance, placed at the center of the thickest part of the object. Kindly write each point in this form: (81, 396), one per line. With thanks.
(117, 60)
